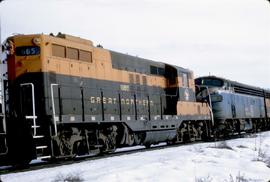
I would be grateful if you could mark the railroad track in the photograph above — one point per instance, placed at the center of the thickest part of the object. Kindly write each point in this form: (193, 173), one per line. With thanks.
(121, 151)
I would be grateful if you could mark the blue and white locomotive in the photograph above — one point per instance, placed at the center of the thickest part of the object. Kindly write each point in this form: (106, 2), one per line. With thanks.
(236, 107)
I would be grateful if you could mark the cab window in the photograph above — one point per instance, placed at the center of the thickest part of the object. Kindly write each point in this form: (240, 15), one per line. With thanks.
(210, 82)
(184, 79)
(85, 56)
(72, 53)
(58, 51)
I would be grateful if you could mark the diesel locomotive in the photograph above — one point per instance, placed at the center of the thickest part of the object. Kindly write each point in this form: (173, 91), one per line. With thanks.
(236, 107)
(62, 97)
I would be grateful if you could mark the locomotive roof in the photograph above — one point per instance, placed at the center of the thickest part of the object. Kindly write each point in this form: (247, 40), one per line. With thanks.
(240, 85)
(126, 61)
(124, 58)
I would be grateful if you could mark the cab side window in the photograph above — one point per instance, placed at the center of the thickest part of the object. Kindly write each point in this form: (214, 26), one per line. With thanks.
(58, 51)
(72, 53)
(85, 56)
(185, 79)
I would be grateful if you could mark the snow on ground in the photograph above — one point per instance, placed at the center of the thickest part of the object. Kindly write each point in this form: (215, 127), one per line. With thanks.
(217, 161)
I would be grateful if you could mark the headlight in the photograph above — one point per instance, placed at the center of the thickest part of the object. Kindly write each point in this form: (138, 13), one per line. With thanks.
(216, 98)
(37, 41)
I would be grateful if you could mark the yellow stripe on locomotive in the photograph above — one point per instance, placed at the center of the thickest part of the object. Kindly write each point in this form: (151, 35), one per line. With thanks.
(73, 56)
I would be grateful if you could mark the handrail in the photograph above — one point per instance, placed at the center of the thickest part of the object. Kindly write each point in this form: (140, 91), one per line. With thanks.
(210, 106)
(209, 103)
(2, 95)
(53, 109)
(3, 105)
(33, 106)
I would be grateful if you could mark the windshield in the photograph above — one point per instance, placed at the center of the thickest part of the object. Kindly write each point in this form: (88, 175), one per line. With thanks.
(212, 82)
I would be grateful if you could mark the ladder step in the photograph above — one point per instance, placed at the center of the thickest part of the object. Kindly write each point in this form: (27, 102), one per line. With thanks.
(35, 126)
(44, 157)
(38, 136)
(42, 147)
(97, 146)
(31, 117)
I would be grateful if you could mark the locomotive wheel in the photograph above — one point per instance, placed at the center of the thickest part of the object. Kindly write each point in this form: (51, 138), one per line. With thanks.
(137, 139)
(147, 145)
(172, 142)
(21, 154)
(108, 140)
(131, 139)
(183, 133)
(206, 133)
(22, 164)
(104, 148)
(21, 160)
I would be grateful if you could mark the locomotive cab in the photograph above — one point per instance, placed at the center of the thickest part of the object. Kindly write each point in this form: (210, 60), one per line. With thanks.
(209, 86)
(21, 90)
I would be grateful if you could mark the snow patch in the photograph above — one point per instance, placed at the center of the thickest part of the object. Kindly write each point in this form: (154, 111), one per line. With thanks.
(196, 162)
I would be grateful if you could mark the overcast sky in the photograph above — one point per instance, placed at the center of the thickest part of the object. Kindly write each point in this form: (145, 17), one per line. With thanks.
(228, 38)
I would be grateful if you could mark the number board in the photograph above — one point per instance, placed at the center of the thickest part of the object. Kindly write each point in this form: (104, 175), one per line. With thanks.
(27, 51)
